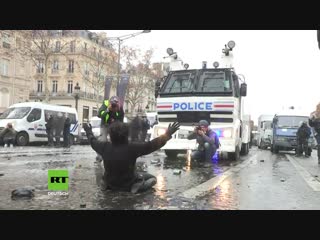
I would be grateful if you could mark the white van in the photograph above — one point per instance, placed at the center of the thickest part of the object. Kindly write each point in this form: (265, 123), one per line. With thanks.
(29, 120)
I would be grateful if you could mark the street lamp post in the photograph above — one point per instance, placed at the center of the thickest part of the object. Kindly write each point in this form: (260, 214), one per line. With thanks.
(120, 40)
(76, 95)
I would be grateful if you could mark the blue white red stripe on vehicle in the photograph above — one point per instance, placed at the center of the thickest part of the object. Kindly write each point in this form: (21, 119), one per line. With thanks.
(164, 106)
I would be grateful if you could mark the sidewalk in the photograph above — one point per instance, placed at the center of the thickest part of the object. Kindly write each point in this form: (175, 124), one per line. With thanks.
(44, 150)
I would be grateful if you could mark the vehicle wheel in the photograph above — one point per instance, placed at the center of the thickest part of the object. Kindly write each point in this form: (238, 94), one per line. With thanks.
(235, 156)
(22, 139)
(171, 153)
(244, 149)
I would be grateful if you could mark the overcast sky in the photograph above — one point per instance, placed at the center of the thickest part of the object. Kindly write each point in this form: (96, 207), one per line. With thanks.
(281, 67)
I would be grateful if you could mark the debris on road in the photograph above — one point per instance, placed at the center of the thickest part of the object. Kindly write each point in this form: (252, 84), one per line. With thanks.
(23, 193)
(282, 179)
(176, 171)
(261, 160)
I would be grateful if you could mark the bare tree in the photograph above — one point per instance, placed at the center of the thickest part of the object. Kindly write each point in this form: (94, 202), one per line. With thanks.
(40, 46)
(95, 70)
(142, 75)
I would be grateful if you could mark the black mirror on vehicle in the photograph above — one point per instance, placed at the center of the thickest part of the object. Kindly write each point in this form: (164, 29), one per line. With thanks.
(157, 88)
(243, 90)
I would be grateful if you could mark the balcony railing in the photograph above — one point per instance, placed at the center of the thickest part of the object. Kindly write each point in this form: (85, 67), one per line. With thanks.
(64, 94)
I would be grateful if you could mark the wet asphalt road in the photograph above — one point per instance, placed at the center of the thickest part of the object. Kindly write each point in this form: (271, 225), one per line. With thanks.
(248, 183)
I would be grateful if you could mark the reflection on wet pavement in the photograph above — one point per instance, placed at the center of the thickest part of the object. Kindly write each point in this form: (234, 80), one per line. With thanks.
(85, 181)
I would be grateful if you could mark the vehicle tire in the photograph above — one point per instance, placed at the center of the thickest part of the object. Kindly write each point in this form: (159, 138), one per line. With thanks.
(22, 139)
(171, 153)
(244, 149)
(235, 155)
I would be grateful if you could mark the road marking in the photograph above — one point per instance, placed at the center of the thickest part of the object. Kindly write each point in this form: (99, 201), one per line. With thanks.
(310, 180)
(212, 183)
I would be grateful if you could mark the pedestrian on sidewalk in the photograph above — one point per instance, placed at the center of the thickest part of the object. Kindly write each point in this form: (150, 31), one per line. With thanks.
(314, 121)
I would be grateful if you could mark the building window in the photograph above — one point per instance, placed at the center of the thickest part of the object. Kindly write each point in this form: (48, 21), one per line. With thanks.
(72, 46)
(6, 40)
(4, 97)
(94, 112)
(94, 52)
(85, 114)
(70, 86)
(58, 46)
(5, 67)
(71, 66)
(40, 84)
(40, 66)
(86, 69)
(55, 66)
(54, 86)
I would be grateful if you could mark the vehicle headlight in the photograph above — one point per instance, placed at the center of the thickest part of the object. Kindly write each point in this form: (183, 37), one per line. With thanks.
(161, 131)
(227, 133)
(224, 133)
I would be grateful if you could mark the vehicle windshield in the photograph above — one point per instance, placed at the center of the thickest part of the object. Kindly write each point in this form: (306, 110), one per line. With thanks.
(214, 82)
(15, 113)
(290, 121)
(181, 82)
(95, 123)
(199, 82)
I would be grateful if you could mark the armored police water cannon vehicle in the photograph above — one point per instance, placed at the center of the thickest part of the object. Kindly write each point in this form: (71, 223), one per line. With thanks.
(212, 94)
